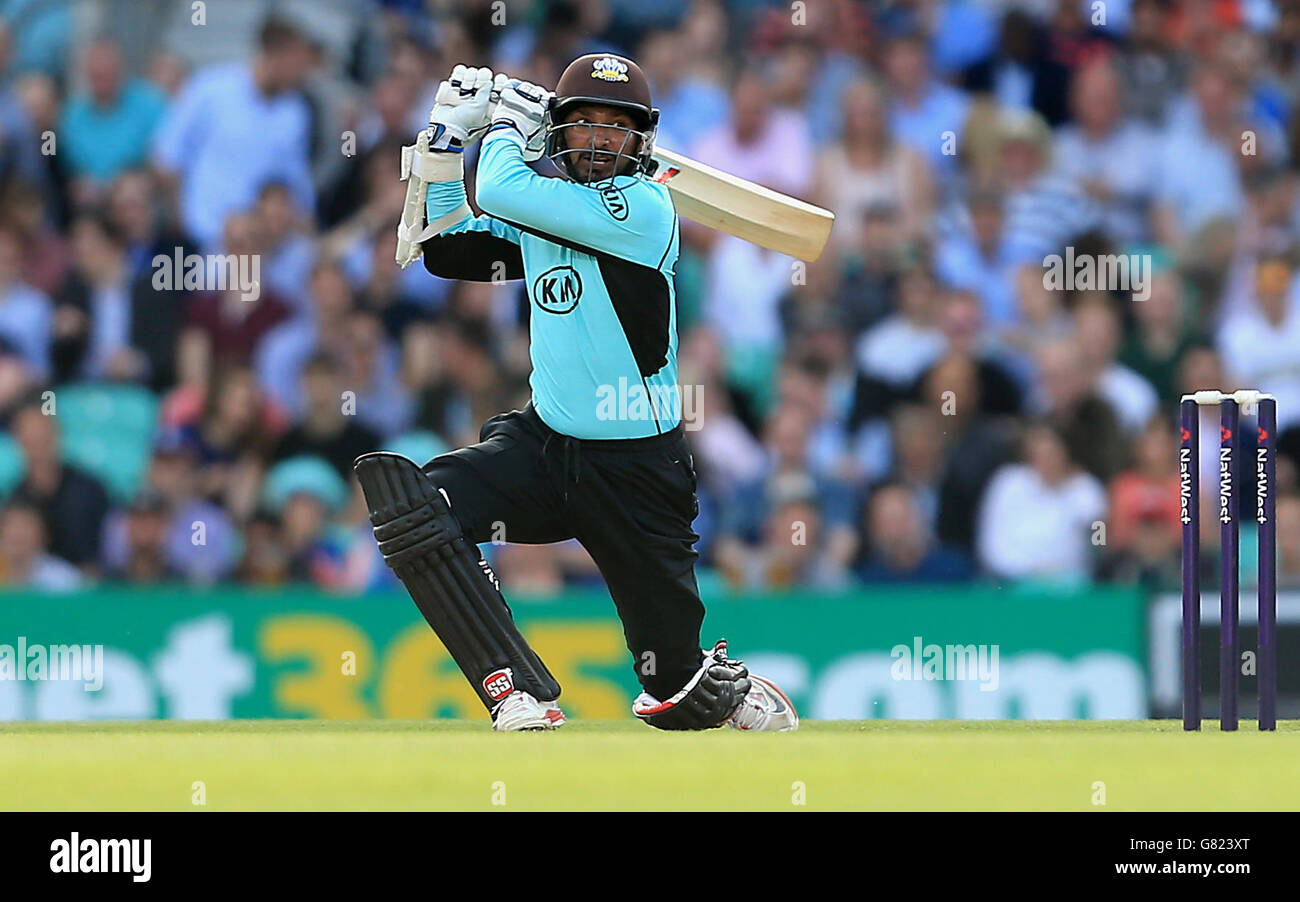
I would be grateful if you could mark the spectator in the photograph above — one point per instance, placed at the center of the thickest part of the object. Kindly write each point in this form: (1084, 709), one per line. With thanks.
(926, 114)
(136, 211)
(281, 356)
(71, 503)
(869, 281)
(745, 282)
(24, 561)
(16, 381)
(232, 436)
(225, 327)
(45, 249)
(304, 492)
(1077, 37)
(728, 457)
(264, 562)
(974, 447)
(1071, 403)
(1040, 318)
(976, 257)
(804, 386)
(899, 349)
(1112, 157)
(26, 318)
(1097, 331)
(236, 126)
(900, 548)
(867, 168)
(20, 155)
(386, 121)
(352, 241)
(290, 254)
(1147, 495)
(354, 563)
(1152, 69)
(1199, 180)
(960, 320)
(1261, 346)
(372, 371)
(146, 560)
(326, 430)
(96, 317)
(1151, 559)
(688, 104)
(1023, 75)
(1037, 517)
(1269, 225)
(464, 381)
(759, 142)
(792, 553)
(110, 126)
(787, 438)
(1044, 210)
(918, 447)
(202, 539)
(1160, 336)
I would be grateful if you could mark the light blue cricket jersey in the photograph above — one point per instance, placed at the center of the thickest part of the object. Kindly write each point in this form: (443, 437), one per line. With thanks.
(598, 263)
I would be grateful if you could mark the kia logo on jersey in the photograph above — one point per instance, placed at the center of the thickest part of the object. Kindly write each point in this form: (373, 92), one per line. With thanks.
(557, 290)
(615, 202)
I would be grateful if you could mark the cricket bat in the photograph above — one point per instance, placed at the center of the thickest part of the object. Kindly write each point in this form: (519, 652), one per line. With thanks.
(743, 208)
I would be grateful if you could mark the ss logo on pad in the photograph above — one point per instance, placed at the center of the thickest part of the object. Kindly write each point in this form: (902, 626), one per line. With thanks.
(498, 684)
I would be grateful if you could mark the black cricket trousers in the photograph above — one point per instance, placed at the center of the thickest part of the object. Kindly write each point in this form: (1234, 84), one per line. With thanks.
(630, 502)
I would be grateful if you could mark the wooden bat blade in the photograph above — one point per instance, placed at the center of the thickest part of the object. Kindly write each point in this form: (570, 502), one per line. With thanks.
(743, 208)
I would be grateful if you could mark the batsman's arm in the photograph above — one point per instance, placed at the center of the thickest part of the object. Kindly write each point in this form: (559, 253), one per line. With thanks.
(470, 248)
(633, 219)
(437, 223)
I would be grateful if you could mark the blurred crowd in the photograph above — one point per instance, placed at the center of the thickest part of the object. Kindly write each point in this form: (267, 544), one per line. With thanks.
(918, 406)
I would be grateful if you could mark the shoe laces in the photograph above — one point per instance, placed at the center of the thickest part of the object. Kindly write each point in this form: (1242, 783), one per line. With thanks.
(513, 700)
(719, 655)
(752, 712)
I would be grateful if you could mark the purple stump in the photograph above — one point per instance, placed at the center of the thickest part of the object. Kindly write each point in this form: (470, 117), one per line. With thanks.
(1229, 527)
(1266, 492)
(1189, 473)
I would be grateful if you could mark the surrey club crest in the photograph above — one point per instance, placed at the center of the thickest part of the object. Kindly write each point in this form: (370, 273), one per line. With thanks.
(609, 69)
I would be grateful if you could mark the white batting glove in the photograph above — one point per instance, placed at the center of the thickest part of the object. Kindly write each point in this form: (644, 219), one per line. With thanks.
(523, 107)
(460, 112)
(499, 82)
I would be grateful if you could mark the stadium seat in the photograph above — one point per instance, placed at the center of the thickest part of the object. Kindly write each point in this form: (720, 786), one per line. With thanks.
(108, 430)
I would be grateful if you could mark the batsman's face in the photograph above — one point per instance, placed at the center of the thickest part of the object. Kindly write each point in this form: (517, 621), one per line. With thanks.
(605, 136)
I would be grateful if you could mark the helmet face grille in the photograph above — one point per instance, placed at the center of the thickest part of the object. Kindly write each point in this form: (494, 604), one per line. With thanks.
(571, 143)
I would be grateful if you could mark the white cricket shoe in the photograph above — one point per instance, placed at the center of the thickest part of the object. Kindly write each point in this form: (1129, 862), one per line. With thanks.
(520, 711)
(766, 709)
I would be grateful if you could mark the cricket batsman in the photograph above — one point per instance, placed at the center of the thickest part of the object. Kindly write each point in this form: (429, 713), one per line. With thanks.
(597, 250)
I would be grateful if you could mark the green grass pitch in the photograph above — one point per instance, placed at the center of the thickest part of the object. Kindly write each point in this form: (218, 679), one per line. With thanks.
(623, 765)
